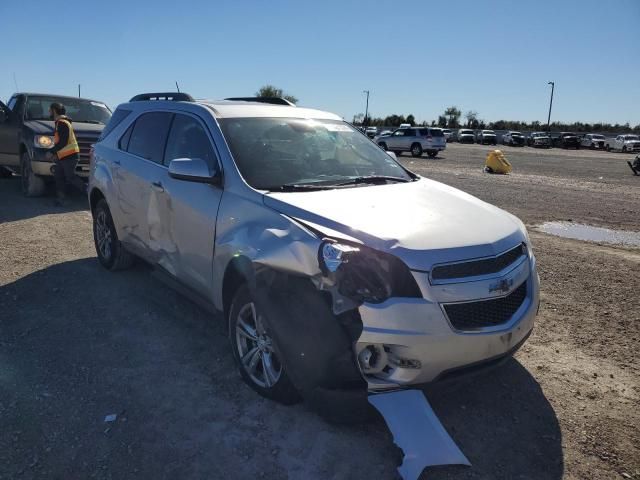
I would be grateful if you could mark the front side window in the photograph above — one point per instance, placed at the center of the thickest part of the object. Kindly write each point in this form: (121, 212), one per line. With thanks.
(188, 139)
(276, 152)
(149, 136)
(12, 103)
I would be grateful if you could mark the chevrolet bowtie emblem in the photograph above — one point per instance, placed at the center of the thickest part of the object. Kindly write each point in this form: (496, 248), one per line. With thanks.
(502, 286)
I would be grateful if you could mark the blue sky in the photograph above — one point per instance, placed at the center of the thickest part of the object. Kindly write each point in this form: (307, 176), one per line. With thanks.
(419, 57)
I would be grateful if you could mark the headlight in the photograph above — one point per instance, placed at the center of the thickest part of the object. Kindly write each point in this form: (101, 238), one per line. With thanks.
(43, 141)
(366, 275)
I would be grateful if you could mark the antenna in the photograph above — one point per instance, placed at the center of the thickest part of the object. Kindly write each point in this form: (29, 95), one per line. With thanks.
(15, 82)
(78, 90)
(177, 86)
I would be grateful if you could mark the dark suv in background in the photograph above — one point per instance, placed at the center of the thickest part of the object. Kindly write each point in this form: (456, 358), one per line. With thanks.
(26, 134)
(567, 140)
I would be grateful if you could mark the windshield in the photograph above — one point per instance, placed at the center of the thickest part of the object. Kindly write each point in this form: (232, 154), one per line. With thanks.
(488, 132)
(516, 134)
(632, 137)
(466, 132)
(275, 152)
(597, 137)
(78, 109)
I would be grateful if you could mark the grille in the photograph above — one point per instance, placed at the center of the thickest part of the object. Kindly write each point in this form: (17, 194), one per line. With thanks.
(486, 313)
(85, 146)
(479, 267)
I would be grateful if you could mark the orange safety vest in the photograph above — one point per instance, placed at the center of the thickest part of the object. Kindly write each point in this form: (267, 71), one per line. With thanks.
(72, 144)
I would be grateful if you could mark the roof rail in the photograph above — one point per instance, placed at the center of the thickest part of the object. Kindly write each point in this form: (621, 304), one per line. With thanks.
(171, 96)
(271, 100)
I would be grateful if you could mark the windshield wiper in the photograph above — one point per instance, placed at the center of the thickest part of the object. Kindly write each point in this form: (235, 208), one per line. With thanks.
(298, 187)
(374, 179)
(97, 122)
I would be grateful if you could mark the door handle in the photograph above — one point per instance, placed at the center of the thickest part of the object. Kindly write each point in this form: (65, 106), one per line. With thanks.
(116, 162)
(157, 186)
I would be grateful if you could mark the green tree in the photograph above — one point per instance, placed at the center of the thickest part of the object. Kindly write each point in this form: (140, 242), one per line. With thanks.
(442, 121)
(453, 115)
(411, 119)
(471, 116)
(271, 91)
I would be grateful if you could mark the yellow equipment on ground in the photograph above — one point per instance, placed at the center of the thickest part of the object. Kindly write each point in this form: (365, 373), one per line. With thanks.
(496, 162)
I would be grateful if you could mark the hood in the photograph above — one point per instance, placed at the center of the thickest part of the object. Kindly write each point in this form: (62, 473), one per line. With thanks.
(465, 134)
(46, 127)
(488, 134)
(422, 222)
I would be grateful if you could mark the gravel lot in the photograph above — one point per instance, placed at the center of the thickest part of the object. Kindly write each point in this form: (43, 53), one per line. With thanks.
(78, 343)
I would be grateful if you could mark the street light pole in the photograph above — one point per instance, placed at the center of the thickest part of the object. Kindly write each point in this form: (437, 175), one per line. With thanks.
(550, 104)
(366, 111)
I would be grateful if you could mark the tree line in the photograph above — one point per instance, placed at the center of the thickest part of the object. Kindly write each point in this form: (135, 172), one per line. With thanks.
(453, 118)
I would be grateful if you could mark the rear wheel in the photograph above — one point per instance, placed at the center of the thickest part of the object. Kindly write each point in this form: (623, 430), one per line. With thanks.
(111, 254)
(416, 150)
(254, 352)
(383, 146)
(5, 172)
(624, 149)
(32, 185)
(432, 153)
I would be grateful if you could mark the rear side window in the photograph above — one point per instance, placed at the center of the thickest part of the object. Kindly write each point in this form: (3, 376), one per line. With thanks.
(424, 132)
(123, 143)
(149, 136)
(188, 139)
(116, 119)
(436, 133)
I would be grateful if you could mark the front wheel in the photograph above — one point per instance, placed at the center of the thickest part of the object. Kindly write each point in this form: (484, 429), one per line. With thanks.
(383, 146)
(111, 254)
(32, 185)
(254, 352)
(416, 150)
(624, 149)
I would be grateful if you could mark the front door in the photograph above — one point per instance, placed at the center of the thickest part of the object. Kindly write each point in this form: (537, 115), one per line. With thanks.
(397, 140)
(182, 230)
(9, 131)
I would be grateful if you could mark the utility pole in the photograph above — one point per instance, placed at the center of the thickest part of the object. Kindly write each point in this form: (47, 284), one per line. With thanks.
(366, 110)
(550, 104)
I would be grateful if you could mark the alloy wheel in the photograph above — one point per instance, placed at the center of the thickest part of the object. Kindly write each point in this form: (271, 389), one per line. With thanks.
(255, 348)
(104, 238)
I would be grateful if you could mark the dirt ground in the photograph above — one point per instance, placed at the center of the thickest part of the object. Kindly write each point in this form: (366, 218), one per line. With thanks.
(78, 343)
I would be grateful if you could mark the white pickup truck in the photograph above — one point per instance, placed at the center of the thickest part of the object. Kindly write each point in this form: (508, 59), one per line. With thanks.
(623, 143)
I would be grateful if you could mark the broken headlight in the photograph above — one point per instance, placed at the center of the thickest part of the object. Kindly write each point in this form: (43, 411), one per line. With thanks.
(366, 275)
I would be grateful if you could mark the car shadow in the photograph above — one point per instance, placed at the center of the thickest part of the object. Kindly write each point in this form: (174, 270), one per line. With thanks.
(503, 423)
(15, 206)
(78, 343)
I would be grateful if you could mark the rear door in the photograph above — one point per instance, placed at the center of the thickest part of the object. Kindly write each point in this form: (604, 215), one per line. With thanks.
(134, 173)
(182, 234)
(9, 132)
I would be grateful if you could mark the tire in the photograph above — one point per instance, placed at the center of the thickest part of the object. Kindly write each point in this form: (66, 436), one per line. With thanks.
(5, 172)
(416, 150)
(32, 185)
(624, 149)
(432, 153)
(264, 374)
(398, 153)
(383, 146)
(607, 148)
(111, 253)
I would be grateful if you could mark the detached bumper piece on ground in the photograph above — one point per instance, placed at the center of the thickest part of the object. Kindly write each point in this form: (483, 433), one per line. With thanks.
(417, 431)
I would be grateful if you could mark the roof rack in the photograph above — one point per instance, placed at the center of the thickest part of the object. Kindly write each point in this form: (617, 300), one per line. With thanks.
(271, 100)
(171, 96)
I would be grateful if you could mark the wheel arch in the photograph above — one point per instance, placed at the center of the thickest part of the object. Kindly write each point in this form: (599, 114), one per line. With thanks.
(94, 197)
(238, 271)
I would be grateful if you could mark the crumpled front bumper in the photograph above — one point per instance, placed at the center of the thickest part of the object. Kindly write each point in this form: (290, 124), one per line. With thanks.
(419, 343)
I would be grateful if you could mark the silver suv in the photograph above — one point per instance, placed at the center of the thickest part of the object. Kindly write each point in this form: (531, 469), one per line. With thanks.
(338, 271)
(415, 140)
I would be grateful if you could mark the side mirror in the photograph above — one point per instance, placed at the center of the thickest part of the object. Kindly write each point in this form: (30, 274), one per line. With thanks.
(192, 170)
(392, 155)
